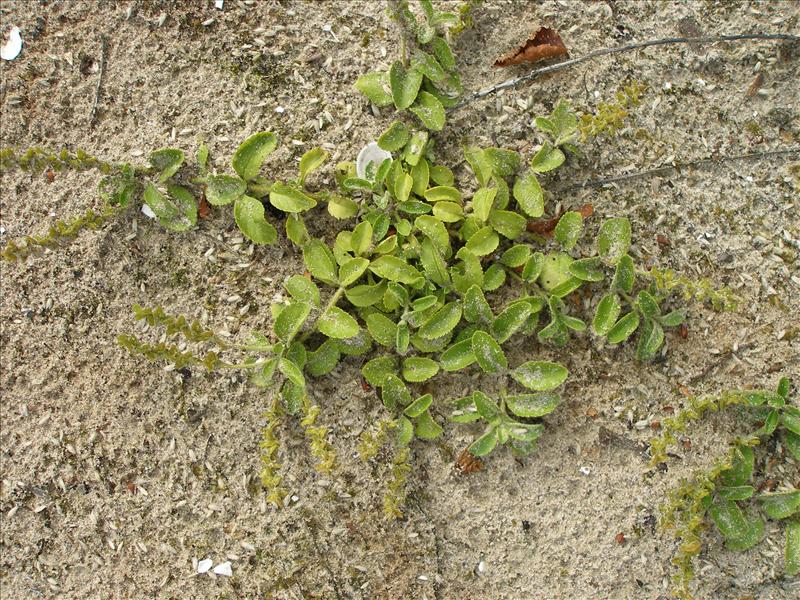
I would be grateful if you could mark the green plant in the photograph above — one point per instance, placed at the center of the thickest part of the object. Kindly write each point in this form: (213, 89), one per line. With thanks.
(424, 80)
(610, 116)
(172, 195)
(409, 278)
(718, 493)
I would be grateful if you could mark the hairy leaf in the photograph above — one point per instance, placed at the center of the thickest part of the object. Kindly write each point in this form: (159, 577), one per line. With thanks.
(378, 370)
(291, 319)
(482, 202)
(568, 229)
(484, 444)
(320, 261)
(419, 368)
(375, 86)
(394, 138)
(442, 193)
(508, 223)
(540, 376)
(429, 110)
(395, 269)
(224, 189)
(442, 322)
(252, 153)
(528, 193)
(504, 162)
(488, 353)
(623, 328)
(419, 406)
(382, 329)
(290, 199)
(322, 360)
(780, 505)
(792, 552)
(547, 158)
(651, 337)
(302, 289)
(166, 162)
(458, 356)
(337, 324)
(606, 314)
(511, 320)
(426, 428)
(533, 405)
(404, 84)
(311, 161)
(394, 392)
(483, 242)
(614, 239)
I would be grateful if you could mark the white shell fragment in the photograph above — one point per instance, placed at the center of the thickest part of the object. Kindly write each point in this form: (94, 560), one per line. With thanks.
(371, 153)
(11, 49)
(148, 211)
(224, 569)
(204, 565)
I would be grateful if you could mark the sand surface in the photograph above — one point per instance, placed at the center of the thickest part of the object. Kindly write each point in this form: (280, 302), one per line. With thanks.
(118, 475)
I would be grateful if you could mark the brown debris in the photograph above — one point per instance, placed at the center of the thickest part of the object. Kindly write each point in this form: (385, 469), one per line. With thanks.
(203, 208)
(547, 226)
(543, 45)
(755, 86)
(468, 463)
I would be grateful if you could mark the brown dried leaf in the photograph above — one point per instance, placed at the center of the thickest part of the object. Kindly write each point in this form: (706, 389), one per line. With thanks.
(467, 463)
(543, 45)
(547, 226)
(755, 86)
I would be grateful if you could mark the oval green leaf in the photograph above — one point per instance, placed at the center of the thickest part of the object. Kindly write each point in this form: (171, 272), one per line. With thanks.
(252, 153)
(540, 376)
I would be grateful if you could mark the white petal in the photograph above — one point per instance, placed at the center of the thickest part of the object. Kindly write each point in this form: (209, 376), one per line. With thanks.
(224, 569)
(371, 153)
(11, 49)
(204, 565)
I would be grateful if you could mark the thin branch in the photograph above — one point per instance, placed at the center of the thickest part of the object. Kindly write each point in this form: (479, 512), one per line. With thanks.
(665, 169)
(103, 47)
(708, 39)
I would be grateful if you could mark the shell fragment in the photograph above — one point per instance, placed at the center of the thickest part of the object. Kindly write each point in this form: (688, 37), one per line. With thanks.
(11, 49)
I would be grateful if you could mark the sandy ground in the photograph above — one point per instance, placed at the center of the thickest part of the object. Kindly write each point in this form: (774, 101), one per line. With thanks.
(117, 474)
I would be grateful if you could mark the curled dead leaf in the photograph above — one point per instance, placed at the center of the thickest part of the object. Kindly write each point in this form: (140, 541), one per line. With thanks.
(543, 45)
(468, 463)
(547, 226)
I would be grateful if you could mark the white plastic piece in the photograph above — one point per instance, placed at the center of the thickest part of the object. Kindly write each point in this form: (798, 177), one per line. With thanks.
(371, 153)
(148, 211)
(224, 569)
(218, 4)
(11, 49)
(204, 565)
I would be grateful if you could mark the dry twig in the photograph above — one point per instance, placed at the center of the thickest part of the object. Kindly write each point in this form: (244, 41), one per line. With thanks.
(677, 167)
(708, 39)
